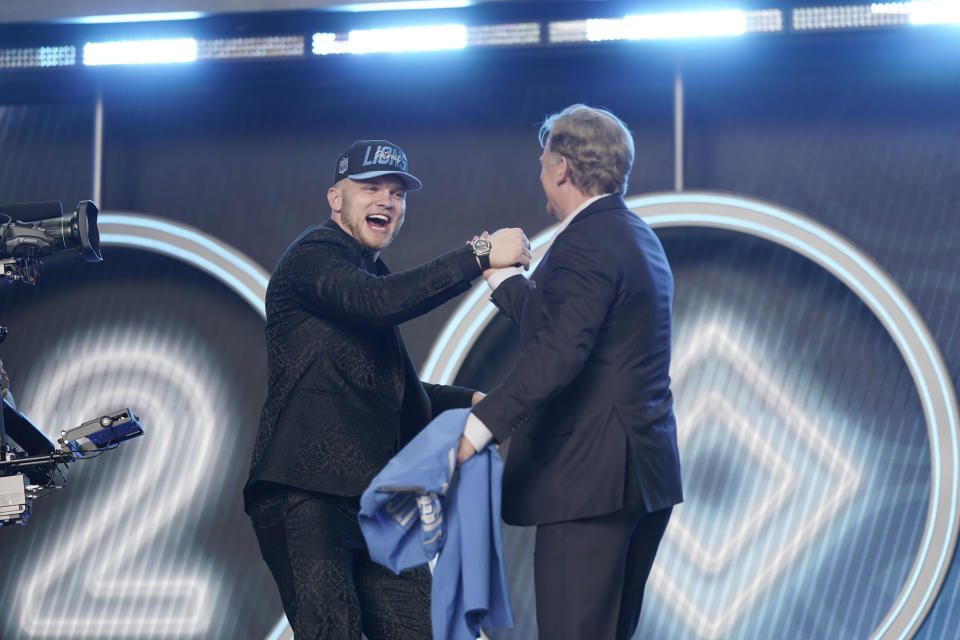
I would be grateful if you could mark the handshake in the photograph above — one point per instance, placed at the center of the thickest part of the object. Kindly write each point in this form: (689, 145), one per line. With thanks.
(504, 248)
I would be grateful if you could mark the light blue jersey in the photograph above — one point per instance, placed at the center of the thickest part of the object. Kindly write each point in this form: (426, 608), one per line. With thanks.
(416, 508)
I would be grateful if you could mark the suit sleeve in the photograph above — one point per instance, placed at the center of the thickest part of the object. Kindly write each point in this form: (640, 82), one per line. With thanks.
(510, 296)
(577, 294)
(327, 282)
(443, 397)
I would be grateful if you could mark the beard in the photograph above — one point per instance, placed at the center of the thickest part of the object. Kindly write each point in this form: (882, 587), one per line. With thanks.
(354, 221)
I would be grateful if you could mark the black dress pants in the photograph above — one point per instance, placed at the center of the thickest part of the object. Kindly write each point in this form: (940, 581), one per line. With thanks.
(329, 586)
(590, 574)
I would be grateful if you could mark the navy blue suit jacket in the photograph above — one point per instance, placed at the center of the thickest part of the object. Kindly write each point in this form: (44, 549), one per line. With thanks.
(592, 383)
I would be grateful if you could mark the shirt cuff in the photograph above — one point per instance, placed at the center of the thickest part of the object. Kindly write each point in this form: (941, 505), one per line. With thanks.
(477, 433)
(500, 275)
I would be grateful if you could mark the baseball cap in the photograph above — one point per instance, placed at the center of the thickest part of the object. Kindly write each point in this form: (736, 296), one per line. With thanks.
(366, 159)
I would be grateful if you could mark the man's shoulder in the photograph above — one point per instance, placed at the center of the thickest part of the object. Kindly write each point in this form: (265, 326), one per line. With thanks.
(600, 217)
(609, 215)
(314, 247)
(605, 209)
(326, 233)
(609, 232)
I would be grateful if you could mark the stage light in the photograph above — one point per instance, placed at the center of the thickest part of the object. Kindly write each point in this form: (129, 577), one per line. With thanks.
(933, 12)
(764, 21)
(326, 43)
(504, 34)
(140, 52)
(689, 24)
(667, 26)
(846, 17)
(403, 6)
(65, 56)
(885, 14)
(238, 48)
(432, 38)
(136, 17)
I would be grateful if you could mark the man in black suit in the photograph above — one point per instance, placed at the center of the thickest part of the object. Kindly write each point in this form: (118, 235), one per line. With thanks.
(593, 457)
(343, 397)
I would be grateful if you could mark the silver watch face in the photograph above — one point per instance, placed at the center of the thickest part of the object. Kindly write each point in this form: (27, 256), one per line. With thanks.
(481, 246)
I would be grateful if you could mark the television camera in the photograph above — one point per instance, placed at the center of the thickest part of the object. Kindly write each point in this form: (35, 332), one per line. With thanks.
(32, 230)
(31, 465)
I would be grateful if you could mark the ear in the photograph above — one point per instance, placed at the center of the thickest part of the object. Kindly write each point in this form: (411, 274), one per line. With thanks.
(335, 199)
(562, 171)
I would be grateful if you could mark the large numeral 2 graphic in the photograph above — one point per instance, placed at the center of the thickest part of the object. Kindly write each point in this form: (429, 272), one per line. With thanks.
(114, 570)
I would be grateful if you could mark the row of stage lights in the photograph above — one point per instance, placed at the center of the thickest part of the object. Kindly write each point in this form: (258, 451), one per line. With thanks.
(691, 24)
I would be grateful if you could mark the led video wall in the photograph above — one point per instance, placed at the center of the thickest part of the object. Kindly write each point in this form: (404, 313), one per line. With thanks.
(816, 338)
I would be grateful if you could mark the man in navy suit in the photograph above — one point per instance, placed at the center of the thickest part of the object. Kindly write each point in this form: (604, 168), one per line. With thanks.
(593, 459)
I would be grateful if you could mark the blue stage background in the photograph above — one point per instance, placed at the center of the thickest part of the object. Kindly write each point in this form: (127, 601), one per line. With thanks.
(849, 134)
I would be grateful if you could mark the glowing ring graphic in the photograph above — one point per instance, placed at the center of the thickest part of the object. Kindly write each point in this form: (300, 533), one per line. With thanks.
(874, 288)
(231, 267)
(228, 265)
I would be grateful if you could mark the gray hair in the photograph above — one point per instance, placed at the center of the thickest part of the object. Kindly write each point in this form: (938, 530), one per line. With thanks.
(597, 145)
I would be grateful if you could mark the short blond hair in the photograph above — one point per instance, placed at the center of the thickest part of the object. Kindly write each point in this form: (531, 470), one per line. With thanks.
(597, 145)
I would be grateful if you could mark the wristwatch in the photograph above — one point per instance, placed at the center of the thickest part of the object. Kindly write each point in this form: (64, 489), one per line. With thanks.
(481, 251)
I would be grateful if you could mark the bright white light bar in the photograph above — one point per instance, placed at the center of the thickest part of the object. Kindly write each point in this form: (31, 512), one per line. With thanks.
(140, 52)
(433, 38)
(923, 11)
(886, 14)
(688, 24)
(136, 17)
(565, 31)
(403, 5)
(670, 25)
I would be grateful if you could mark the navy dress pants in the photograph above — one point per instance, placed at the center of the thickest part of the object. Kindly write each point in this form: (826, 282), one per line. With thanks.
(590, 574)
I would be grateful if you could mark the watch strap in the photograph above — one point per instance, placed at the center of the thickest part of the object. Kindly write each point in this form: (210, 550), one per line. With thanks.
(483, 260)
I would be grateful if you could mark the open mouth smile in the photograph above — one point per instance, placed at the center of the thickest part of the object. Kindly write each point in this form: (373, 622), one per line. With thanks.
(378, 222)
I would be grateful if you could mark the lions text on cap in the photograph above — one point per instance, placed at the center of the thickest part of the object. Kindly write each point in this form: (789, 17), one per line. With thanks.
(390, 156)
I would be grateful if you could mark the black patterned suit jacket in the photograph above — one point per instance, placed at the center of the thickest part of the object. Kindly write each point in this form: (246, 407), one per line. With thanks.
(343, 396)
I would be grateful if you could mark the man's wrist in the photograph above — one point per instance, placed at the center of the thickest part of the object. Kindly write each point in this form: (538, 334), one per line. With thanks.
(497, 277)
(483, 261)
(477, 433)
(481, 251)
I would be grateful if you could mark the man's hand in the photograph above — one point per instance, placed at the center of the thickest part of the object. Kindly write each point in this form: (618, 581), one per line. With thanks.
(508, 248)
(465, 451)
(477, 397)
